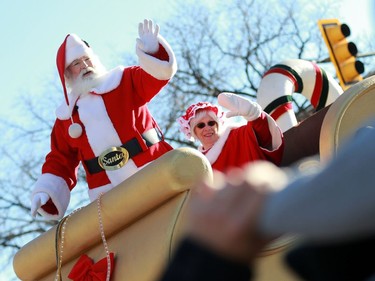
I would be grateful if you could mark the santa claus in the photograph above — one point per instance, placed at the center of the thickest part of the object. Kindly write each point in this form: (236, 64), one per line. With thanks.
(104, 122)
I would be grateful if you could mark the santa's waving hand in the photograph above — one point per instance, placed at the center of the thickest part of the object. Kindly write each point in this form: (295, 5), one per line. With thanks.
(148, 37)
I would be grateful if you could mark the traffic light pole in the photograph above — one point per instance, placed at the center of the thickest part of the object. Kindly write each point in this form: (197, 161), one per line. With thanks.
(358, 56)
(366, 55)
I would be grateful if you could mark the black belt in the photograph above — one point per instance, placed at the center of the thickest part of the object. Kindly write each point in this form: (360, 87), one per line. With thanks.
(132, 148)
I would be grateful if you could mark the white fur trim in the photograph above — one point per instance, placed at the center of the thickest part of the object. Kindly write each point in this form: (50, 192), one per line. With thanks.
(100, 131)
(101, 134)
(277, 138)
(275, 133)
(58, 191)
(110, 81)
(75, 48)
(162, 70)
(64, 112)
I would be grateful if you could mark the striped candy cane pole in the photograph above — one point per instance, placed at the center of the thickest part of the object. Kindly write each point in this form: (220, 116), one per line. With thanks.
(295, 76)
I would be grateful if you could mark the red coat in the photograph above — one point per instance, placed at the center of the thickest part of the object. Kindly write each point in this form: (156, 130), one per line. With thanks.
(125, 116)
(110, 115)
(260, 139)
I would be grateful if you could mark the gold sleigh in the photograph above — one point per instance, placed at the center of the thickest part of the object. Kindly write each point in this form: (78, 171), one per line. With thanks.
(143, 216)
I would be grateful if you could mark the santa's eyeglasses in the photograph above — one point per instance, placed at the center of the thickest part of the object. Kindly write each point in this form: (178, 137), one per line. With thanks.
(201, 125)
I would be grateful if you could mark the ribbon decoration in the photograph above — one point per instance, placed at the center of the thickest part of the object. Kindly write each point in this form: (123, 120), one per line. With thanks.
(86, 270)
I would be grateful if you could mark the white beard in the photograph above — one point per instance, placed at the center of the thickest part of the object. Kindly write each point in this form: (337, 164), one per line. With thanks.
(83, 85)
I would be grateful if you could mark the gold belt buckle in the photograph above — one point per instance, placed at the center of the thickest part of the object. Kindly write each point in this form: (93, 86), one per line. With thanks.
(113, 158)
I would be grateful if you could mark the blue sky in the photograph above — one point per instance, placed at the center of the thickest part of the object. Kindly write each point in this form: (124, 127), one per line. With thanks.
(32, 31)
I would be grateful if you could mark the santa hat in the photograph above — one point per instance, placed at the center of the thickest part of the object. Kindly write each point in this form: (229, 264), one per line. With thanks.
(71, 49)
(186, 119)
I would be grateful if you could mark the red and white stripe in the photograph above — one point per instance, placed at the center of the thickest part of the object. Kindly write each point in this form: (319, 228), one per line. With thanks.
(295, 76)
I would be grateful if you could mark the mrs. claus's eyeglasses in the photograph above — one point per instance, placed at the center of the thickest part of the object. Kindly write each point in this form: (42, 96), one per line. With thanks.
(201, 125)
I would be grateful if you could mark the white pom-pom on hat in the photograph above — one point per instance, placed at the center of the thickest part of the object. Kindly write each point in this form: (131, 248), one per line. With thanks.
(71, 49)
(75, 130)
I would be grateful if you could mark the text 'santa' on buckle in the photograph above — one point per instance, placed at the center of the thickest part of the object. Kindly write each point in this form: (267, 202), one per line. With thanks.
(113, 158)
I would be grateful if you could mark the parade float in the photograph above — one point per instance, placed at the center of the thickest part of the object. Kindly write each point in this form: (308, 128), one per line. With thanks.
(143, 217)
(132, 230)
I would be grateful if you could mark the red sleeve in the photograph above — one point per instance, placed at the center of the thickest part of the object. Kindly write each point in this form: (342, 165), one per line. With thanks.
(150, 86)
(161, 54)
(141, 85)
(62, 160)
(50, 208)
(262, 132)
(145, 85)
(265, 139)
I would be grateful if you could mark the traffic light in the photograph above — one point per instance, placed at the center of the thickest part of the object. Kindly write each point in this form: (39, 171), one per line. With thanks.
(341, 52)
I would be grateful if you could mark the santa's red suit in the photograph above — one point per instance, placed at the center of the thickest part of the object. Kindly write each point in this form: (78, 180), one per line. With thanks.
(260, 139)
(113, 114)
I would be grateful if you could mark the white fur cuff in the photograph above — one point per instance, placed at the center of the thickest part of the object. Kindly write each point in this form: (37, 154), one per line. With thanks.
(162, 70)
(58, 191)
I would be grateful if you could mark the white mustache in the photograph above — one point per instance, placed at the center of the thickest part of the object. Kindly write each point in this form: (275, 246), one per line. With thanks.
(86, 70)
(83, 84)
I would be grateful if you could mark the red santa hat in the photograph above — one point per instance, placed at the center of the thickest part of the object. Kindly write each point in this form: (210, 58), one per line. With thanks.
(71, 49)
(185, 121)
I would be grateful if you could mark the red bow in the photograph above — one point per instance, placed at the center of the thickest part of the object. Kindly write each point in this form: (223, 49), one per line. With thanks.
(86, 270)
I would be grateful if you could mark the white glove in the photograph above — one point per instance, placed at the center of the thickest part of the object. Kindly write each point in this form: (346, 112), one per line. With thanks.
(148, 37)
(239, 106)
(39, 199)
